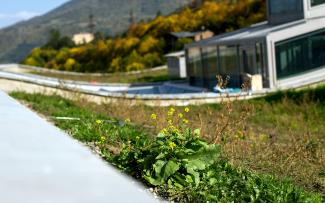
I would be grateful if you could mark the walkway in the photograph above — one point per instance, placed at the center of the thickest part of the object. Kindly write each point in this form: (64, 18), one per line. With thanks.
(41, 164)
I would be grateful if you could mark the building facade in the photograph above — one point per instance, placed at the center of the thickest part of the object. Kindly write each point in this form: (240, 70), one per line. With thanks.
(83, 38)
(286, 50)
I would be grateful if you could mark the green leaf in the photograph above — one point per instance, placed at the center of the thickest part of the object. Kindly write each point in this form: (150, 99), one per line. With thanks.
(206, 155)
(196, 175)
(196, 165)
(161, 135)
(189, 179)
(161, 155)
(153, 181)
(213, 181)
(160, 142)
(179, 180)
(169, 169)
(158, 167)
(189, 151)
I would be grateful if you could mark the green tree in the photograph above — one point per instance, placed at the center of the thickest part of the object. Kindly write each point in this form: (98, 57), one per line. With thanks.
(56, 41)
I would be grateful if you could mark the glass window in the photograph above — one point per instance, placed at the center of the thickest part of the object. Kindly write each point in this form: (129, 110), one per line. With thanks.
(317, 2)
(252, 61)
(195, 72)
(285, 6)
(228, 58)
(300, 54)
(317, 52)
(210, 64)
(259, 58)
(261, 67)
(248, 59)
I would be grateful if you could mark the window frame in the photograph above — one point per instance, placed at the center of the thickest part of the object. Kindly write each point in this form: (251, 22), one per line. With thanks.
(316, 5)
(287, 48)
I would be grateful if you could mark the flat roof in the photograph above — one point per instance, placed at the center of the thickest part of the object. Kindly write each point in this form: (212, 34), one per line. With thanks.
(176, 54)
(253, 33)
(187, 34)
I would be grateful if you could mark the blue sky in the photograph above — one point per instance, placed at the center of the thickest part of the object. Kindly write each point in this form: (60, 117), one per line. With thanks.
(12, 11)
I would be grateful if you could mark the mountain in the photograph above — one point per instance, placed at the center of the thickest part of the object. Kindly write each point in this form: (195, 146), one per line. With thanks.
(110, 17)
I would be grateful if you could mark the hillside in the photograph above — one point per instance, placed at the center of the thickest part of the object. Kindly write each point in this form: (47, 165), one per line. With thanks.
(111, 17)
(144, 44)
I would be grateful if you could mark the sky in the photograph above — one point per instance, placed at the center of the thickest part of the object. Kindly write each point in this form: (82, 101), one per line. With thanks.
(13, 11)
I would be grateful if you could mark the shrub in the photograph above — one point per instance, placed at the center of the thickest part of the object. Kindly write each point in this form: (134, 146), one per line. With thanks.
(69, 64)
(31, 62)
(149, 44)
(135, 67)
(152, 60)
(116, 65)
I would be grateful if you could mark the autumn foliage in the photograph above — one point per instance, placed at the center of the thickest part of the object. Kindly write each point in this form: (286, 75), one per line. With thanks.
(144, 44)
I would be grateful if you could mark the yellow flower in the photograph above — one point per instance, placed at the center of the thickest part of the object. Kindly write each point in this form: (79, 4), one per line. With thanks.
(180, 115)
(170, 122)
(137, 137)
(185, 121)
(127, 120)
(164, 131)
(102, 139)
(171, 111)
(172, 145)
(153, 116)
(173, 129)
(99, 122)
(187, 109)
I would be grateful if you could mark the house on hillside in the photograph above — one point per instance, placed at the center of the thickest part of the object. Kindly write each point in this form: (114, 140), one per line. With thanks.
(286, 51)
(174, 38)
(83, 38)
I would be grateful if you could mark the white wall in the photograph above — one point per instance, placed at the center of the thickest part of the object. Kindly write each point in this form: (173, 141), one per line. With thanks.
(315, 11)
(294, 31)
(182, 65)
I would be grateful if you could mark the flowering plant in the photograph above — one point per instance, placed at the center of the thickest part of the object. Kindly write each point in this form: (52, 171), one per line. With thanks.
(178, 156)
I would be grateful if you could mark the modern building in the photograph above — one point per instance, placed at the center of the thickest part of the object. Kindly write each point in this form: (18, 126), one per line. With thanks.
(285, 51)
(83, 38)
(176, 64)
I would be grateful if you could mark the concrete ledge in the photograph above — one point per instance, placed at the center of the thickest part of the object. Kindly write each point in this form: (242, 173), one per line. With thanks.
(41, 164)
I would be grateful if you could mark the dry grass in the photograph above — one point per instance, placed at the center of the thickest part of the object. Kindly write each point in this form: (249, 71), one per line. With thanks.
(153, 76)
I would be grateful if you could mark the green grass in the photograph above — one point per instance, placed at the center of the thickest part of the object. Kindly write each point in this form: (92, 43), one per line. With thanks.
(126, 145)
